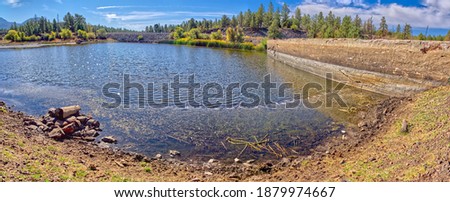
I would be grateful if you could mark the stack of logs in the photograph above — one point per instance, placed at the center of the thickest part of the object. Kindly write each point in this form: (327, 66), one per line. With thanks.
(66, 123)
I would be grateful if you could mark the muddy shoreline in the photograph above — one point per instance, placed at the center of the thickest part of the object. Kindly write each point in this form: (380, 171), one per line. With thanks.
(96, 156)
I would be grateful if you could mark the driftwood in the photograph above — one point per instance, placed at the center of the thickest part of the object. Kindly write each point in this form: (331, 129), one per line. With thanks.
(431, 48)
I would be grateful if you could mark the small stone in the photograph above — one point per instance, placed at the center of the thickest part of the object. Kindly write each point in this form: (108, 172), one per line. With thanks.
(174, 153)
(91, 133)
(343, 132)
(92, 167)
(250, 161)
(109, 139)
(56, 133)
(195, 180)
(52, 112)
(248, 165)
(236, 160)
(404, 126)
(157, 157)
(89, 139)
(285, 161)
(119, 164)
(362, 124)
(32, 127)
(208, 173)
(211, 161)
(82, 119)
(93, 123)
(235, 176)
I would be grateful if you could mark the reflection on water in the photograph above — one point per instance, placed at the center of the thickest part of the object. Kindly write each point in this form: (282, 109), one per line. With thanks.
(35, 79)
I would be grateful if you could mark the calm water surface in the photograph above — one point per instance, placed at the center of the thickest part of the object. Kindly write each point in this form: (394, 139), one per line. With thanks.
(33, 80)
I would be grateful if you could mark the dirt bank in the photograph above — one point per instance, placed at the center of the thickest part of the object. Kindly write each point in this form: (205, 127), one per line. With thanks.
(387, 154)
(376, 150)
(410, 59)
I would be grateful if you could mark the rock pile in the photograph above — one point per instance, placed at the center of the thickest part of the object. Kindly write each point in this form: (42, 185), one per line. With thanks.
(66, 123)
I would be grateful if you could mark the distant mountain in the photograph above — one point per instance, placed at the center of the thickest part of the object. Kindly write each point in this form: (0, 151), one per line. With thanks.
(4, 24)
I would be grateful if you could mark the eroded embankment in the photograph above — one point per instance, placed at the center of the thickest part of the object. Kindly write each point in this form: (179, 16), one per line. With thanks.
(395, 68)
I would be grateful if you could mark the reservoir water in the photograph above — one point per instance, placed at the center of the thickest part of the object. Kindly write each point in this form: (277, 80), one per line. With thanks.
(33, 80)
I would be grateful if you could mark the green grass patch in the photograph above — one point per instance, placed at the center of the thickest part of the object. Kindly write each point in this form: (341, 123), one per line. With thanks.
(217, 44)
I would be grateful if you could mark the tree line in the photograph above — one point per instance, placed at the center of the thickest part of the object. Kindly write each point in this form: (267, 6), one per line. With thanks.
(316, 26)
(41, 28)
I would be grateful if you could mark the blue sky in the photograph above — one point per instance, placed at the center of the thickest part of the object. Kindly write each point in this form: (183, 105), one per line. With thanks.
(138, 14)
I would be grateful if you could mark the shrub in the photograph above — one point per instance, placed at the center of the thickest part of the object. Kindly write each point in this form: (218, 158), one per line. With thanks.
(45, 36)
(13, 35)
(231, 35)
(214, 44)
(66, 34)
(91, 35)
(216, 35)
(82, 34)
(178, 33)
(140, 38)
(52, 36)
(235, 35)
(34, 38)
(194, 33)
(101, 33)
(262, 46)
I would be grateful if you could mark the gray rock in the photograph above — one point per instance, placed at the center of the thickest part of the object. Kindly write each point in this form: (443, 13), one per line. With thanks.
(157, 157)
(109, 139)
(32, 127)
(404, 126)
(211, 161)
(56, 133)
(250, 161)
(52, 112)
(174, 153)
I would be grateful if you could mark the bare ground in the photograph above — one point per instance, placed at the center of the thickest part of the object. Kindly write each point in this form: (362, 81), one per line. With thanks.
(404, 58)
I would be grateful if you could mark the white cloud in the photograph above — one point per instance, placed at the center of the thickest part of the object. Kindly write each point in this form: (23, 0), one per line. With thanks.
(112, 7)
(139, 19)
(13, 3)
(59, 1)
(134, 15)
(202, 14)
(432, 13)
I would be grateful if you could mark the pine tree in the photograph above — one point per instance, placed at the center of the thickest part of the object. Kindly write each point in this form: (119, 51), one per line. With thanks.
(225, 21)
(355, 30)
(407, 32)
(285, 16)
(240, 19)
(398, 32)
(383, 31)
(274, 29)
(369, 28)
(259, 16)
(345, 27)
(447, 37)
(268, 17)
(306, 20)
(248, 18)
(298, 15)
